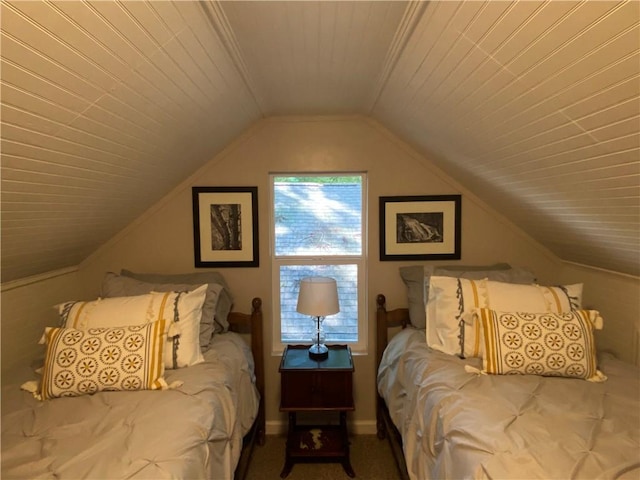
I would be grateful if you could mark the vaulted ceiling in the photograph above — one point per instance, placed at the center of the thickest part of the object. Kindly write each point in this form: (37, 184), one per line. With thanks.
(107, 105)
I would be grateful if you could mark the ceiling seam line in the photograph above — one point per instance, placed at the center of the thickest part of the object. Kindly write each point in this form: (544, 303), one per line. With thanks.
(561, 127)
(221, 27)
(105, 93)
(518, 80)
(413, 14)
(61, 126)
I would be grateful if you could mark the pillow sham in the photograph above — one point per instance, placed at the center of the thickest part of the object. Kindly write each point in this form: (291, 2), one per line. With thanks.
(83, 362)
(224, 302)
(450, 326)
(182, 308)
(548, 344)
(416, 278)
(114, 285)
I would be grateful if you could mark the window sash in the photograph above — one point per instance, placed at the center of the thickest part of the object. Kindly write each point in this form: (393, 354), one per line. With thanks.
(288, 263)
(338, 230)
(341, 327)
(359, 346)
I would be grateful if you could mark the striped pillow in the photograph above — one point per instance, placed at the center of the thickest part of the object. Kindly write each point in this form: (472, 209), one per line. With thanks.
(452, 301)
(83, 362)
(549, 344)
(183, 308)
(449, 300)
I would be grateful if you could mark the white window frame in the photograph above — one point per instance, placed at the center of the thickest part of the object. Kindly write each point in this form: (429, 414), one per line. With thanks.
(361, 346)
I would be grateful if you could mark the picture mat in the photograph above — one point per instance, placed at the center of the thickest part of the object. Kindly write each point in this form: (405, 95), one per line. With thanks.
(244, 199)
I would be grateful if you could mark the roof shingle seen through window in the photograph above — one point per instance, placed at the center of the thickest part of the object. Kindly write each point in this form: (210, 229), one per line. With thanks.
(318, 219)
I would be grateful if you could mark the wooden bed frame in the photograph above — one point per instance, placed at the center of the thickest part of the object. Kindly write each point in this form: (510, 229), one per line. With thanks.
(397, 318)
(244, 323)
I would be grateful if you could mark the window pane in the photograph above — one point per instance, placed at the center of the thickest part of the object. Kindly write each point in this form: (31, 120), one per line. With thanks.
(319, 216)
(342, 327)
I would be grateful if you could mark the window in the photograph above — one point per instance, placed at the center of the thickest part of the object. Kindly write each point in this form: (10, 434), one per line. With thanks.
(318, 230)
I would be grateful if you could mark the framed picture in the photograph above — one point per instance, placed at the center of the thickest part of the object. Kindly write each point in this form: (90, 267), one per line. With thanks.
(420, 227)
(225, 226)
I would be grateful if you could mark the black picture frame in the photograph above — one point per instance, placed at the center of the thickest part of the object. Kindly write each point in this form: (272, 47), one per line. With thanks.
(420, 227)
(225, 227)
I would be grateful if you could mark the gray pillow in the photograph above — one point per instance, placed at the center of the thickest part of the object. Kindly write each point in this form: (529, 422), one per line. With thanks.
(225, 300)
(416, 278)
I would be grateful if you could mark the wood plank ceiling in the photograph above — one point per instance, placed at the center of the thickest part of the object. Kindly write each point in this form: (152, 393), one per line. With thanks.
(107, 105)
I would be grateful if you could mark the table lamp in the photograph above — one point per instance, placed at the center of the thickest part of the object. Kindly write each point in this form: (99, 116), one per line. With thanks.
(318, 298)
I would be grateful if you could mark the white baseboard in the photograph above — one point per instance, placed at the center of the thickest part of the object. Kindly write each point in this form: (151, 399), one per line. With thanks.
(363, 427)
(360, 427)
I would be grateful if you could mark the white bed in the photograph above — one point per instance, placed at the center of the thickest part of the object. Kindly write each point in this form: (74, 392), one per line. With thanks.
(203, 426)
(488, 375)
(456, 424)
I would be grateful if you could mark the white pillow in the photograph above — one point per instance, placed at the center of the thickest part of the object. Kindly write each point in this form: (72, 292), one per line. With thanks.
(416, 278)
(509, 297)
(452, 301)
(183, 308)
(449, 300)
(114, 285)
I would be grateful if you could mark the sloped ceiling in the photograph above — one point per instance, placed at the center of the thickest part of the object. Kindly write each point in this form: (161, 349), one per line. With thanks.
(106, 106)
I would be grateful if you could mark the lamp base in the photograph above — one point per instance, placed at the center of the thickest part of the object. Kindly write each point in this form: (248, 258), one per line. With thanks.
(318, 352)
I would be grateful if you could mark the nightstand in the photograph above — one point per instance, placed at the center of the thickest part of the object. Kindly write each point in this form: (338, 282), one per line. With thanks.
(308, 385)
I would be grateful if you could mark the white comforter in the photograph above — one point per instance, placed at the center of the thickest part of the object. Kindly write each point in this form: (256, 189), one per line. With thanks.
(459, 425)
(194, 431)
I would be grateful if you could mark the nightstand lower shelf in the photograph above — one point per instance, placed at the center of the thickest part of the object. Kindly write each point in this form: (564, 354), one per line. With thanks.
(317, 443)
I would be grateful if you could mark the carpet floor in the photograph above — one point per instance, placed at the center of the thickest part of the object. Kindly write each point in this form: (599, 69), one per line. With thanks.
(371, 459)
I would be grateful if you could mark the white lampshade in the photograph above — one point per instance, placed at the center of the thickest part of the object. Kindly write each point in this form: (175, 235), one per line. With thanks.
(318, 296)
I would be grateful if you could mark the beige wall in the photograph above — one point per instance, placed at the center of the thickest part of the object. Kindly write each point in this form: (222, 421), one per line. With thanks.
(162, 239)
(617, 297)
(27, 307)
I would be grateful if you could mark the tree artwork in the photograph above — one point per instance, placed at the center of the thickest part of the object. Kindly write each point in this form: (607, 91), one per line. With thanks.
(226, 229)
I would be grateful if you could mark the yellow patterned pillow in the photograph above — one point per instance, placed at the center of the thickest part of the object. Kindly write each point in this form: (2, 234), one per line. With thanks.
(551, 344)
(82, 362)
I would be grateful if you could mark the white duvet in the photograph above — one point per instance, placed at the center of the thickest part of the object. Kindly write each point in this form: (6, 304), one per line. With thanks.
(459, 425)
(194, 431)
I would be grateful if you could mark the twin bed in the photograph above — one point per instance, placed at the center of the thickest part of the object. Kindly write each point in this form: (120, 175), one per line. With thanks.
(449, 412)
(197, 418)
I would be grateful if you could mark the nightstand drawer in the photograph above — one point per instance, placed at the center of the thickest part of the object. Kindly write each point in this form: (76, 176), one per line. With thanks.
(316, 390)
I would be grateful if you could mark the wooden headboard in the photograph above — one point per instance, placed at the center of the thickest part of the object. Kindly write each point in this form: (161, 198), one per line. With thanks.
(385, 320)
(244, 323)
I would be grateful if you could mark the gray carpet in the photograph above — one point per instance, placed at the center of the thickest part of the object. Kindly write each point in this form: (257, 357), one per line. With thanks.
(371, 459)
